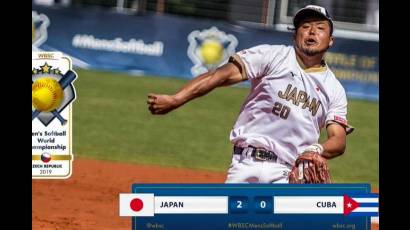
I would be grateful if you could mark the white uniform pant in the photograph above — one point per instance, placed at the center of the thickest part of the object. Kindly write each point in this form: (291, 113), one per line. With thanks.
(246, 169)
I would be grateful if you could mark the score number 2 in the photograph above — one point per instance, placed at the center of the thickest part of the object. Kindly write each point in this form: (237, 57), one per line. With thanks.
(239, 204)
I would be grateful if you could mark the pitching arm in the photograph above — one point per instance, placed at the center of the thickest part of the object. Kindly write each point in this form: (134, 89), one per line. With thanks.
(225, 75)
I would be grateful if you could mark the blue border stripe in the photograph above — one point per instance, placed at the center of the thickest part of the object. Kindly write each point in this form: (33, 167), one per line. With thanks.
(364, 214)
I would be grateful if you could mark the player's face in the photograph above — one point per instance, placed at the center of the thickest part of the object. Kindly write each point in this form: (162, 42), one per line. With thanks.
(313, 36)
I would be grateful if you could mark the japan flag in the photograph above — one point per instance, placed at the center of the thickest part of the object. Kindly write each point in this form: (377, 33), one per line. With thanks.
(136, 204)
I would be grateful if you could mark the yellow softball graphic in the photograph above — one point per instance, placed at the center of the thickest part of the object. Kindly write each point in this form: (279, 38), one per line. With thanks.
(46, 94)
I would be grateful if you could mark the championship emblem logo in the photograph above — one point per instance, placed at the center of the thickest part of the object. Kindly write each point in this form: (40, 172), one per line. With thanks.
(209, 49)
(39, 24)
(52, 92)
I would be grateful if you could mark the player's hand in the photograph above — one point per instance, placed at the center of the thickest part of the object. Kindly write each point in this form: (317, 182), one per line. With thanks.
(161, 104)
(317, 148)
(310, 168)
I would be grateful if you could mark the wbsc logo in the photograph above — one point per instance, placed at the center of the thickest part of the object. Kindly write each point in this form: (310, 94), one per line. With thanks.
(209, 49)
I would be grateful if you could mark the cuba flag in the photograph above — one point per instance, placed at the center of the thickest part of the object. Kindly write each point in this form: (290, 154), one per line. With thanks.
(133, 204)
(361, 205)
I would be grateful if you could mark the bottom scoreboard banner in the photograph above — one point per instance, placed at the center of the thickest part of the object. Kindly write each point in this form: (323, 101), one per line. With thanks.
(250, 206)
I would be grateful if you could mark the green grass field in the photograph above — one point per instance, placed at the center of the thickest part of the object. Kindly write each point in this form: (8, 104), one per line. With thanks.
(112, 122)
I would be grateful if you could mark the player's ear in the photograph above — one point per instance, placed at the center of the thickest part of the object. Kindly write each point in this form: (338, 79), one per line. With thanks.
(331, 40)
(292, 29)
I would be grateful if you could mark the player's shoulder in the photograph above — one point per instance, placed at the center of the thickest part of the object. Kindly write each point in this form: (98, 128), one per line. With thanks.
(332, 77)
(334, 83)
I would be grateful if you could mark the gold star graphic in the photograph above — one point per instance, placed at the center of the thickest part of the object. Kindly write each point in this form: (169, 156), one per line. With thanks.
(45, 68)
(34, 71)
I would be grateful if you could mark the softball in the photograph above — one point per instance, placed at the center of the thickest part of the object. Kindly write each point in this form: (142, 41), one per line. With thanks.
(46, 94)
(211, 52)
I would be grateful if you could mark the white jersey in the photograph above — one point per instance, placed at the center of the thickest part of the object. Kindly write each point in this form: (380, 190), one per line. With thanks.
(287, 105)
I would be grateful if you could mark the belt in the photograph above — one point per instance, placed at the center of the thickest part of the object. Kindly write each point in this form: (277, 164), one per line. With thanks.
(257, 153)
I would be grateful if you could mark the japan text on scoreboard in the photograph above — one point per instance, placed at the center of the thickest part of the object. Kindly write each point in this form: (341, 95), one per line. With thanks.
(225, 206)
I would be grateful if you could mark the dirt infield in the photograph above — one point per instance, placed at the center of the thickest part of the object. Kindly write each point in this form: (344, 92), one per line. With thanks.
(89, 199)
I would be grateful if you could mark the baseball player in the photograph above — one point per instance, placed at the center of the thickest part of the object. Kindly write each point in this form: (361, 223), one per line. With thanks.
(293, 96)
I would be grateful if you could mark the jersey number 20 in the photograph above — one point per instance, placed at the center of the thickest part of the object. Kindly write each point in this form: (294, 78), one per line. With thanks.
(281, 110)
